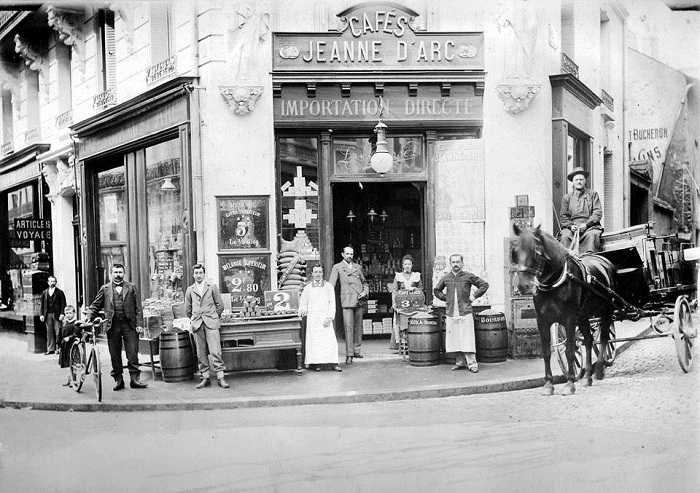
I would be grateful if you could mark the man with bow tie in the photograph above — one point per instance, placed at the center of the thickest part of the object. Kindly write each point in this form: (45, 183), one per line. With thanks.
(123, 315)
(353, 289)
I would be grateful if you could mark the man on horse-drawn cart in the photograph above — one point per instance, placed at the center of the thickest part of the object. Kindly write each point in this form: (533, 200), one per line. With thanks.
(581, 211)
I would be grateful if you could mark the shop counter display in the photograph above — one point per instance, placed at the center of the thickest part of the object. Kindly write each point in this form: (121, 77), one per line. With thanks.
(261, 342)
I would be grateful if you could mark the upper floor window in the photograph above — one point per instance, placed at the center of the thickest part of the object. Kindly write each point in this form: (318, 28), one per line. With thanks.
(161, 31)
(106, 51)
(7, 121)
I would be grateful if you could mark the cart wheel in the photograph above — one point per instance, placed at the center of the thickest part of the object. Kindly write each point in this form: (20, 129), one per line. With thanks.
(77, 366)
(682, 330)
(595, 327)
(558, 341)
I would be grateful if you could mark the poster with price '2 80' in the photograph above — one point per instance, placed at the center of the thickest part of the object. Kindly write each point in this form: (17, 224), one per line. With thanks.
(244, 276)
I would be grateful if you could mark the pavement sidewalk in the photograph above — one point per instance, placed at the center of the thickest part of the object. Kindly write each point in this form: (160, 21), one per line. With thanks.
(34, 381)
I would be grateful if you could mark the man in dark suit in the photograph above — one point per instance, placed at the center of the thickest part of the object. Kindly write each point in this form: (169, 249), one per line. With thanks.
(122, 306)
(53, 302)
(353, 289)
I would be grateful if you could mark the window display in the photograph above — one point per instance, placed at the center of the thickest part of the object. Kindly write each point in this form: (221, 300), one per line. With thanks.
(113, 220)
(164, 215)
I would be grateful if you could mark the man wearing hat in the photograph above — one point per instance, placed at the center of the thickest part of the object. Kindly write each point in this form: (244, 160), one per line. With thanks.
(581, 210)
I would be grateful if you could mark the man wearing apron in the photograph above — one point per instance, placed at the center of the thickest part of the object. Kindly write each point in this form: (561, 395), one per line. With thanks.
(455, 288)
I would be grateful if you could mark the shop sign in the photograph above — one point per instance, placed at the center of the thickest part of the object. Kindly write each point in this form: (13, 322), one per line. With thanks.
(243, 222)
(244, 276)
(28, 229)
(282, 301)
(376, 36)
(396, 105)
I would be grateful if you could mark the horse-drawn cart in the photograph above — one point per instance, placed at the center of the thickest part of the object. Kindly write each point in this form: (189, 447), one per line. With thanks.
(656, 278)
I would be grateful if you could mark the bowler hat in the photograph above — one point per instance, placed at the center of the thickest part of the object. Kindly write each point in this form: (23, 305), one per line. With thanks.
(576, 171)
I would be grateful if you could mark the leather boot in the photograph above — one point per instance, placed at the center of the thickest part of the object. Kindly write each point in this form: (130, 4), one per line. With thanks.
(222, 383)
(119, 384)
(136, 384)
(205, 382)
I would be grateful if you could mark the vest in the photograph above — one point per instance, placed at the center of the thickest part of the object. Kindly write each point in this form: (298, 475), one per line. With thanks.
(118, 299)
(52, 303)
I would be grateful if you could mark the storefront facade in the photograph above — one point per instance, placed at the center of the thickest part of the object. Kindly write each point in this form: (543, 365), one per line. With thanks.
(134, 165)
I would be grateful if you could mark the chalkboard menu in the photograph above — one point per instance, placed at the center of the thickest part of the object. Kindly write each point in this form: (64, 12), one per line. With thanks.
(244, 275)
(243, 222)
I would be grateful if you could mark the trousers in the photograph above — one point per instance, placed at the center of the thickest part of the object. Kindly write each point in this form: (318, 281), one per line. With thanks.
(53, 331)
(121, 332)
(352, 323)
(589, 241)
(208, 342)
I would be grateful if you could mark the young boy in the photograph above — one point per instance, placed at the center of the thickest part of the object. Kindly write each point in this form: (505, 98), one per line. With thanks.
(69, 333)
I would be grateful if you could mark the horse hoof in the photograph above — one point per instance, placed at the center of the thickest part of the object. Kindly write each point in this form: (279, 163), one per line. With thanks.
(548, 389)
(589, 382)
(569, 389)
(600, 371)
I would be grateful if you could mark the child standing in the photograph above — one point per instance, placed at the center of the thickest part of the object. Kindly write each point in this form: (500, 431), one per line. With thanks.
(69, 333)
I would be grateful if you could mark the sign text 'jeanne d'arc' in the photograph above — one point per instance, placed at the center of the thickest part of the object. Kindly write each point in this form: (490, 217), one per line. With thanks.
(378, 36)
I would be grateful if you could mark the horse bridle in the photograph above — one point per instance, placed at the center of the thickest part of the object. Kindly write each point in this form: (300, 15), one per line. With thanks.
(537, 270)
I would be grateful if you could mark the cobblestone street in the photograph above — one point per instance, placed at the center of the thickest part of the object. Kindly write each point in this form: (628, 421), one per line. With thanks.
(636, 431)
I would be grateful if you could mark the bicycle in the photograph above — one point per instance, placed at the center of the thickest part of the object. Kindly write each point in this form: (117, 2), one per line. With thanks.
(85, 358)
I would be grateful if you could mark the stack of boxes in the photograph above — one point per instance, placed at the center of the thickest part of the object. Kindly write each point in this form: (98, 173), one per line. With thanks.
(523, 335)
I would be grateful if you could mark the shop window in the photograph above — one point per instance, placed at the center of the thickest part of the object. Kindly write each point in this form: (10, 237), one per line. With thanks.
(20, 204)
(106, 59)
(298, 189)
(112, 220)
(164, 216)
(161, 31)
(351, 155)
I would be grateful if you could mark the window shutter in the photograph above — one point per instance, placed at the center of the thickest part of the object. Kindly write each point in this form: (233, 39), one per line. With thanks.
(110, 51)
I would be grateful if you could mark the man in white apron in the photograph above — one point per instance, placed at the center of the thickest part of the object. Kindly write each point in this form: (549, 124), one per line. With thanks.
(454, 288)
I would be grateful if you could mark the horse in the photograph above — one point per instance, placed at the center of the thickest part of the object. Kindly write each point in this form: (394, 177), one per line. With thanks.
(563, 293)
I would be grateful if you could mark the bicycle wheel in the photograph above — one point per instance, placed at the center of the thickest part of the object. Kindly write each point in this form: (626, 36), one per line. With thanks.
(96, 369)
(77, 366)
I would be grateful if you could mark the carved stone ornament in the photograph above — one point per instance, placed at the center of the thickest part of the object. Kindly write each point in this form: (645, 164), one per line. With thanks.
(59, 174)
(517, 96)
(31, 58)
(241, 99)
(64, 25)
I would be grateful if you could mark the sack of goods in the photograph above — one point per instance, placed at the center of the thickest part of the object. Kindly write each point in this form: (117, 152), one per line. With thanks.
(291, 268)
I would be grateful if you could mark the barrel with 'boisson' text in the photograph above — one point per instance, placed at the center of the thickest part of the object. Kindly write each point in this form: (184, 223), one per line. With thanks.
(491, 333)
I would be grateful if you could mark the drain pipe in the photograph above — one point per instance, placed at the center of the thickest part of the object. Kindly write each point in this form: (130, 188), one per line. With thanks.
(197, 210)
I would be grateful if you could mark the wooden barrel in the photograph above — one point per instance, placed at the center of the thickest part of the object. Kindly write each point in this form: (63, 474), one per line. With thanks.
(176, 356)
(491, 334)
(423, 340)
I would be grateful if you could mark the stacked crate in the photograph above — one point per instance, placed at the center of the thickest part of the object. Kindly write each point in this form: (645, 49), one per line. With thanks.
(523, 336)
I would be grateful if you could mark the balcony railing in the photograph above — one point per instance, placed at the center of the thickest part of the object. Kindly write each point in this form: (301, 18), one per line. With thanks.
(104, 99)
(568, 66)
(64, 119)
(607, 100)
(160, 70)
(7, 148)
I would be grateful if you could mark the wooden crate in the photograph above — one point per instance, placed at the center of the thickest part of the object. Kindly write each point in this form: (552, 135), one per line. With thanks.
(523, 313)
(524, 343)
